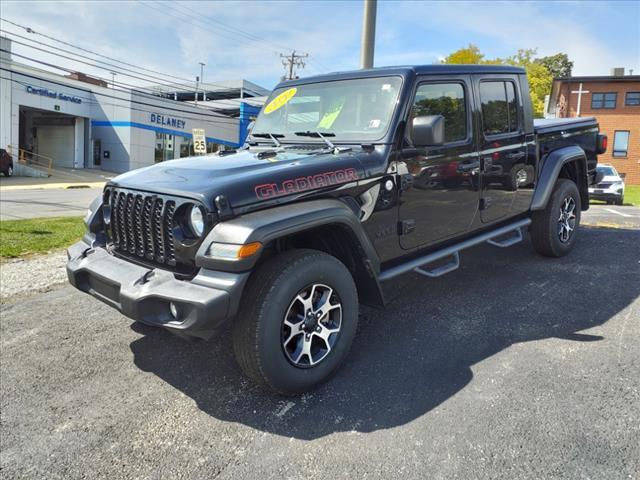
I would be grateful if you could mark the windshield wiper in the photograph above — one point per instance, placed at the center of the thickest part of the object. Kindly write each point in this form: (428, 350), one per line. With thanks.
(317, 134)
(273, 136)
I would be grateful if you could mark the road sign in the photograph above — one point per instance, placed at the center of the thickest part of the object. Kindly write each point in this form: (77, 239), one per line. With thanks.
(199, 141)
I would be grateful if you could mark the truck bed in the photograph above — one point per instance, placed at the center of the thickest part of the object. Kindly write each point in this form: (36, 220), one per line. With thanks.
(547, 125)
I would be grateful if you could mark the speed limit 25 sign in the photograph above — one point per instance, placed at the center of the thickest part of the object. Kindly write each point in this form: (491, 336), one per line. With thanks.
(199, 141)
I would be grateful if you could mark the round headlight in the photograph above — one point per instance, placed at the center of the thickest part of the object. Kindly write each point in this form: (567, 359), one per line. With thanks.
(196, 221)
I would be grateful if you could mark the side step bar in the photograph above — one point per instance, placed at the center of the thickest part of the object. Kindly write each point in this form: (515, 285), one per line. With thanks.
(418, 264)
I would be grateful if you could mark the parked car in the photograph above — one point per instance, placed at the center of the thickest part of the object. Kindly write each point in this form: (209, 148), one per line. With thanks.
(6, 163)
(346, 181)
(610, 188)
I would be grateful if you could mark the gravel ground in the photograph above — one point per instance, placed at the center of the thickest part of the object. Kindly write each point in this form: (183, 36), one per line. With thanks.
(31, 275)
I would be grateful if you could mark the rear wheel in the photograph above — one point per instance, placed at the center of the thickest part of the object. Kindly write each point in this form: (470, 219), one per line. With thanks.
(9, 171)
(298, 320)
(554, 229)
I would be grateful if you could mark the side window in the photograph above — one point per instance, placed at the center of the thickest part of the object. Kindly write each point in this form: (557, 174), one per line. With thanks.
(448, 100)
(499, 107)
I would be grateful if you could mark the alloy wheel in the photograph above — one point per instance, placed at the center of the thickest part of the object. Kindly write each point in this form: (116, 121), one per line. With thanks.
(567, 219)
(311, 325)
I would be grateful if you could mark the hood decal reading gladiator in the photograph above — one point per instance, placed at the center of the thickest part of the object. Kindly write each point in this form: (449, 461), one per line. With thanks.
(302, 184)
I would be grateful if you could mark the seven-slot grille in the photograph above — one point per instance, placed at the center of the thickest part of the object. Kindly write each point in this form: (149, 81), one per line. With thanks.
(141, 225)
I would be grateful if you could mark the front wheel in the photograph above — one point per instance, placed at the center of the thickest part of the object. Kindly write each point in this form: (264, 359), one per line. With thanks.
(297, 322)
(9, 171)
(554, 229)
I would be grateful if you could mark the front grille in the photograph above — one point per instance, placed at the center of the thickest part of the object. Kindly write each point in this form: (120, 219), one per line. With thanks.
(141, 225)
(604, 184)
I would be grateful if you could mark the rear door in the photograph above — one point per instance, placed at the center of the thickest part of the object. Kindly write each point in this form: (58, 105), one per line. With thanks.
(444, 197)
(501, 138)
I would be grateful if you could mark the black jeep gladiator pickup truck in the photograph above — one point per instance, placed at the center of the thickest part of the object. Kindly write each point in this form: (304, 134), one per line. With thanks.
(346, 181)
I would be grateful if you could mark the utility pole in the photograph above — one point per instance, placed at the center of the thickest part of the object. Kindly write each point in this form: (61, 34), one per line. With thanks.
(204, 89)
(368, 34)
(290, 62)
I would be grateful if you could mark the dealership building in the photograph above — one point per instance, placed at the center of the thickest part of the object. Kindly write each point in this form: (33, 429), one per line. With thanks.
(83, 122)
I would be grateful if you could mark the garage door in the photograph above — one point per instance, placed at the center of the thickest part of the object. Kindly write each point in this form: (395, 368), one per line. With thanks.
(57, 142)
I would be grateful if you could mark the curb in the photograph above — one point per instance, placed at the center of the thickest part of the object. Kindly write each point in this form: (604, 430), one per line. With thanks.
(51, 186)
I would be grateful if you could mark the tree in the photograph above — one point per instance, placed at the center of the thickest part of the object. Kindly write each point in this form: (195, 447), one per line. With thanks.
(539, 75)
(465, 56)
(559, 65)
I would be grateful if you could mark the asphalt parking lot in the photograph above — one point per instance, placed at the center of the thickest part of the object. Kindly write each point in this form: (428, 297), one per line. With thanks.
(514, 366)
(52, 202)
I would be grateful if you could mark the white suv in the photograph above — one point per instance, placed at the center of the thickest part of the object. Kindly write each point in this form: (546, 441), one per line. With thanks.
(611, 187)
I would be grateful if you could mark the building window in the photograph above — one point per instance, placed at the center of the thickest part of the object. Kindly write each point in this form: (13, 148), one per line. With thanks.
(632, 99)
(603, 100)
(620, 143)
(446, 99)
(164, 147)
(499, 108)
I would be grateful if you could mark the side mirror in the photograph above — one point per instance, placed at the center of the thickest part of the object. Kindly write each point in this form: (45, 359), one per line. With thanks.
(622, 175)
(599, 177)
(427, 131)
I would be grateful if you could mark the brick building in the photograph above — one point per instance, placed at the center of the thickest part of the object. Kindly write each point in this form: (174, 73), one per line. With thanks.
(615, 101)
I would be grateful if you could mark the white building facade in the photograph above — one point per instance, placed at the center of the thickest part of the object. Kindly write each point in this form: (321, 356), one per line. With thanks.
(87, 125)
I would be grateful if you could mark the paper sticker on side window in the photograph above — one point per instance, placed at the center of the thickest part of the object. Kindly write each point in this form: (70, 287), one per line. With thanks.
(280, 101)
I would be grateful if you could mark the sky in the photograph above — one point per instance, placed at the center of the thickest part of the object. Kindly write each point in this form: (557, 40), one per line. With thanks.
(245, 39)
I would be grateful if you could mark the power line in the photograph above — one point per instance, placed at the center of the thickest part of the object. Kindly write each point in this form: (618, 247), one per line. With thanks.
(197, 19)
(248, 35)
(118, 69)
(31, 31)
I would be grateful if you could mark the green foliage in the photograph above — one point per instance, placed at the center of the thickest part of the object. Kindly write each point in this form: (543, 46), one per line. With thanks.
(559, 65)
(465, 56)
(539, 75)
(39, 235)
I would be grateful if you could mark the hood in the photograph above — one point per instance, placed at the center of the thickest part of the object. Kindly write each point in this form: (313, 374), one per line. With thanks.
(611, 179)
(248, 177)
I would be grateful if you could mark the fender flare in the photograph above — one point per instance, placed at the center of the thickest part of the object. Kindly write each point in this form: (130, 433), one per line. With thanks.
(271, 224)
(551, 170)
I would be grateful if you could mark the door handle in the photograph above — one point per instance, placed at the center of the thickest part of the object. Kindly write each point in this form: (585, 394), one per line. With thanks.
(487, 163)
(516, 155)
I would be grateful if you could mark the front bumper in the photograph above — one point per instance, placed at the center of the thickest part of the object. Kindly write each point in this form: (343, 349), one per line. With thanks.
(203, 303)
(605, 194)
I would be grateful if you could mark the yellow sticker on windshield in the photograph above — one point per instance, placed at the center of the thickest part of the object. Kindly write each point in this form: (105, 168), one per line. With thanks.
(280, 101)
(334, 110)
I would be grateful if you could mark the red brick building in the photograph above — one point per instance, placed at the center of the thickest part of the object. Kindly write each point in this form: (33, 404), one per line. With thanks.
(615, 102)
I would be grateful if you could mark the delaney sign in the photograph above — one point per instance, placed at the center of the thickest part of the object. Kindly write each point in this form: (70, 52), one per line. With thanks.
(45, 92)
(199, 141)
(167, 121)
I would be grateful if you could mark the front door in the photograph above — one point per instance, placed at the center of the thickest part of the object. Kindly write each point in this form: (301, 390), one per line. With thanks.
(503, 150)
(443, 198)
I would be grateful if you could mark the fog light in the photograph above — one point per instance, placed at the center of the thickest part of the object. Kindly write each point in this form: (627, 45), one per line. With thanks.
(175, 311)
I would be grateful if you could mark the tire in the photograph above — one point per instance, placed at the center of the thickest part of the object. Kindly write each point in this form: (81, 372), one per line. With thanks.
(620, 200)
(9, 171)
(548, 236)
(273, 297)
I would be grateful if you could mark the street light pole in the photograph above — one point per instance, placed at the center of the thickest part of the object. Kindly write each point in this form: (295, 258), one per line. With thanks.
(368, 34)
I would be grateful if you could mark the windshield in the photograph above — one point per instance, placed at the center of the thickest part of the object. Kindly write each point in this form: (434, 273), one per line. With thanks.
(608, 171)
(345, 110)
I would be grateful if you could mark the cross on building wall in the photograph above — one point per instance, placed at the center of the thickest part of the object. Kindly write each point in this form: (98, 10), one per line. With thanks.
(580, 91)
